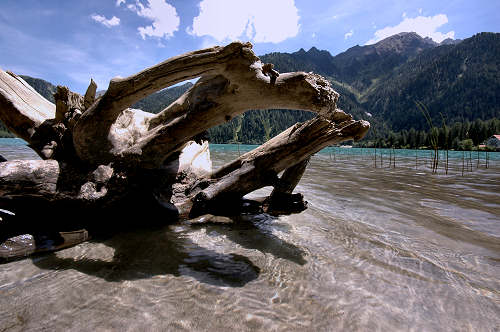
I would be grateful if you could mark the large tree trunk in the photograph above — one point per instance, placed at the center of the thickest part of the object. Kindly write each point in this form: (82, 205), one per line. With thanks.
(98, 154)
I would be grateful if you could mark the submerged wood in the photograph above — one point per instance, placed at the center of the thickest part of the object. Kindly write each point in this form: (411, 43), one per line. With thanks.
(99, 154)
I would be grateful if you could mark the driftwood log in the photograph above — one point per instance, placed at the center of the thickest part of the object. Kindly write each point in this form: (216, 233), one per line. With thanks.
(101, 158)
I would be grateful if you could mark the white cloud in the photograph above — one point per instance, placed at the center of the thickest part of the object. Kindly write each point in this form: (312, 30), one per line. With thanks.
(420, 10)
(207, 42)
(425, 26)
(404, 15)
(164, 17)
(313, 35)
(349, 34)
(119, 2)
(114, 21)
(258, 20)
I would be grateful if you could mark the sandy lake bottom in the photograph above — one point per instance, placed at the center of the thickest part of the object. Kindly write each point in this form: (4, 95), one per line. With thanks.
(377, 249)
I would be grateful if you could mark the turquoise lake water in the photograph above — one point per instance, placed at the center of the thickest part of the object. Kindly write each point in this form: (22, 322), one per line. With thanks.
(5, 143)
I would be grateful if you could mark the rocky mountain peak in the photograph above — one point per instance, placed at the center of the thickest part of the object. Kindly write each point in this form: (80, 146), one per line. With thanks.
(404, 43)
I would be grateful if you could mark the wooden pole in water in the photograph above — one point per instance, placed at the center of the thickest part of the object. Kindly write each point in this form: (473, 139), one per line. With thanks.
(431, 158)
(470, 160)
(437, 161)
(394, 158)
(434, 161)
(477, 165)
(433, 154)
(467, 160)
(446, 167)
(463, 162)
(431, 163)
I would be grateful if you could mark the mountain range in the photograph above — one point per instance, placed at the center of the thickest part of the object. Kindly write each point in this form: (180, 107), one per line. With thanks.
(454, 81)
(383, 82)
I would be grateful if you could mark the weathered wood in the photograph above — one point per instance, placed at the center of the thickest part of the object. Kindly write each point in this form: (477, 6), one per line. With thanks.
(216, 100)
(319, 130)
(28, 178)
(290, 178)
(26, 244)
(259, 168)
(49, 182)
(66, 100)
(89, 97)
(101, 155)
(22, 109)
(233, 80)
(281, 200)
(268, 70)
(124, 92)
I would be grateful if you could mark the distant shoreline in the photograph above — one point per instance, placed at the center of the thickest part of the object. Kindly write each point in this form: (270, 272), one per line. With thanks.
(495, 155)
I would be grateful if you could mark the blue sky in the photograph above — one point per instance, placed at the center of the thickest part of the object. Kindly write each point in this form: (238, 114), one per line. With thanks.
(67, 41)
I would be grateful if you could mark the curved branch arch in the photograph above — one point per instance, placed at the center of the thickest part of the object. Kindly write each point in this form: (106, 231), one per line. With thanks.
(100, 153)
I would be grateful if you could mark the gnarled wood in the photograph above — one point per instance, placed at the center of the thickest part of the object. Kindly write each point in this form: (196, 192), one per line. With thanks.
(22, 109)
(66, 100)
(124, 92)
(215, 100)
(260, 167)
(290, 179)
(101, 154)
(233, 81)
(89, 97)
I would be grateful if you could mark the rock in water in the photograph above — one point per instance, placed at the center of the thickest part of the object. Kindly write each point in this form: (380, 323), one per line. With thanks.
(210, 219)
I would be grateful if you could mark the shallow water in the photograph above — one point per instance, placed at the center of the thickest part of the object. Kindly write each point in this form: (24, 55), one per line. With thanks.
(377, 249)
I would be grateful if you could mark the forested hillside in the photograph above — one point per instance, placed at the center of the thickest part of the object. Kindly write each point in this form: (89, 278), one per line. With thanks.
(456, 82)
(460, 82)
(156, 102)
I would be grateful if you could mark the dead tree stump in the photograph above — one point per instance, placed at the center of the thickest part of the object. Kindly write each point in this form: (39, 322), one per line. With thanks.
(98, 154)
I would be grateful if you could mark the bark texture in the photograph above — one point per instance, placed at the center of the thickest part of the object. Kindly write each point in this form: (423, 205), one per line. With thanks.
(98, 153)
